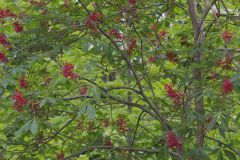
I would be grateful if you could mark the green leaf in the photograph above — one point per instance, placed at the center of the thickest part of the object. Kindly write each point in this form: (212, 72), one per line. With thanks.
(211, 124)
(1, 92)
(220, 156)
(224, 124)
(87, 47)
(108, 53)
(82, 111)
(96, 95)
(91, 112)
(235, 78)
(5, 83)
(24, 128)
(34, 127)
(222, 132)
(43, 102)
(230, 155)
(204, 156)
(51, 100)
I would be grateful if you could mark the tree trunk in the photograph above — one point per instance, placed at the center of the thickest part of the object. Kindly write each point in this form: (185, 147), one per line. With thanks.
(199, 40)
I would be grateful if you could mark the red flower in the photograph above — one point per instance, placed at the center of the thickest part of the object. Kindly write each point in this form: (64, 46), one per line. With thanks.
(131, 45)
(109, 143)
(83, 91)
(60, 156)
(19, 101)
(162, 34)
(208, 120)
(18, 27)
(153, 27)
(34, 106)
(3, 58)
(214, 76)
(4, 13)
(106, 123)
(227, 86)
(117, 34)
(175, 95)
(122, 125)
(66, 3)
(4, 42)
(36, 3)
(172, 140)
(172, 57)
(152, 59)
(95, 17)
(226, 63)
(132, 2)
(227, 36)
(23, 83)
(68, 71)
(47, 80)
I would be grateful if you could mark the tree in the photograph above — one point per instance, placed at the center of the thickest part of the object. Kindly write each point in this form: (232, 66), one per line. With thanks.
(123, 79)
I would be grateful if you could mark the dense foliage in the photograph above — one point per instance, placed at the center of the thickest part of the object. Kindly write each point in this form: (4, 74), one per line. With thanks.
(121, 79)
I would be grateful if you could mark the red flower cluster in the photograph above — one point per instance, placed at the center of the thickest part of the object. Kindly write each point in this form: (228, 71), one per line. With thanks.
(162, 34)
(66, 3)
(227, 61)
(153, 27)
(19, 100)
(109, 143)
(122, 125)
(131, 45)
(5, 13)
(106, 123)
(116, 33)
(172, 140)
(68, 71)
(175, 95)
(214, 76)
(47, 80)
(60, 156)
(83, 91)
(23, 83)
(152, 59)
(227, 36)
(227, 86)
(208, 119)
(34, 106)
(172, 57)
(36, 3)
(17, 27)
(133, 2)
(95, 17)
(3, 58)
(4, 41)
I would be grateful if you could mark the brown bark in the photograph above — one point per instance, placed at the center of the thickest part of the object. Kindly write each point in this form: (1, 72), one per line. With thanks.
(197, 75)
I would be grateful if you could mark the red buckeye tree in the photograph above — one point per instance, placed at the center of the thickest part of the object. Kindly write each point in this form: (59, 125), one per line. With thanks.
(124, 79)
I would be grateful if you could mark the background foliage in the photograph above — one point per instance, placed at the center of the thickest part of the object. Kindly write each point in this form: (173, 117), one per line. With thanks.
(124, 54)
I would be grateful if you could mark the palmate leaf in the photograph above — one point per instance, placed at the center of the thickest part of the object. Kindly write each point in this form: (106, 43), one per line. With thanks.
(96, 95)
(231, 155)
(34, 127)
(26, 127)
(91, 112)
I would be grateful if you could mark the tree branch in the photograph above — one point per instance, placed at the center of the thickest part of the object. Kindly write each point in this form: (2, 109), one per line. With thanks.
(120, 148)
